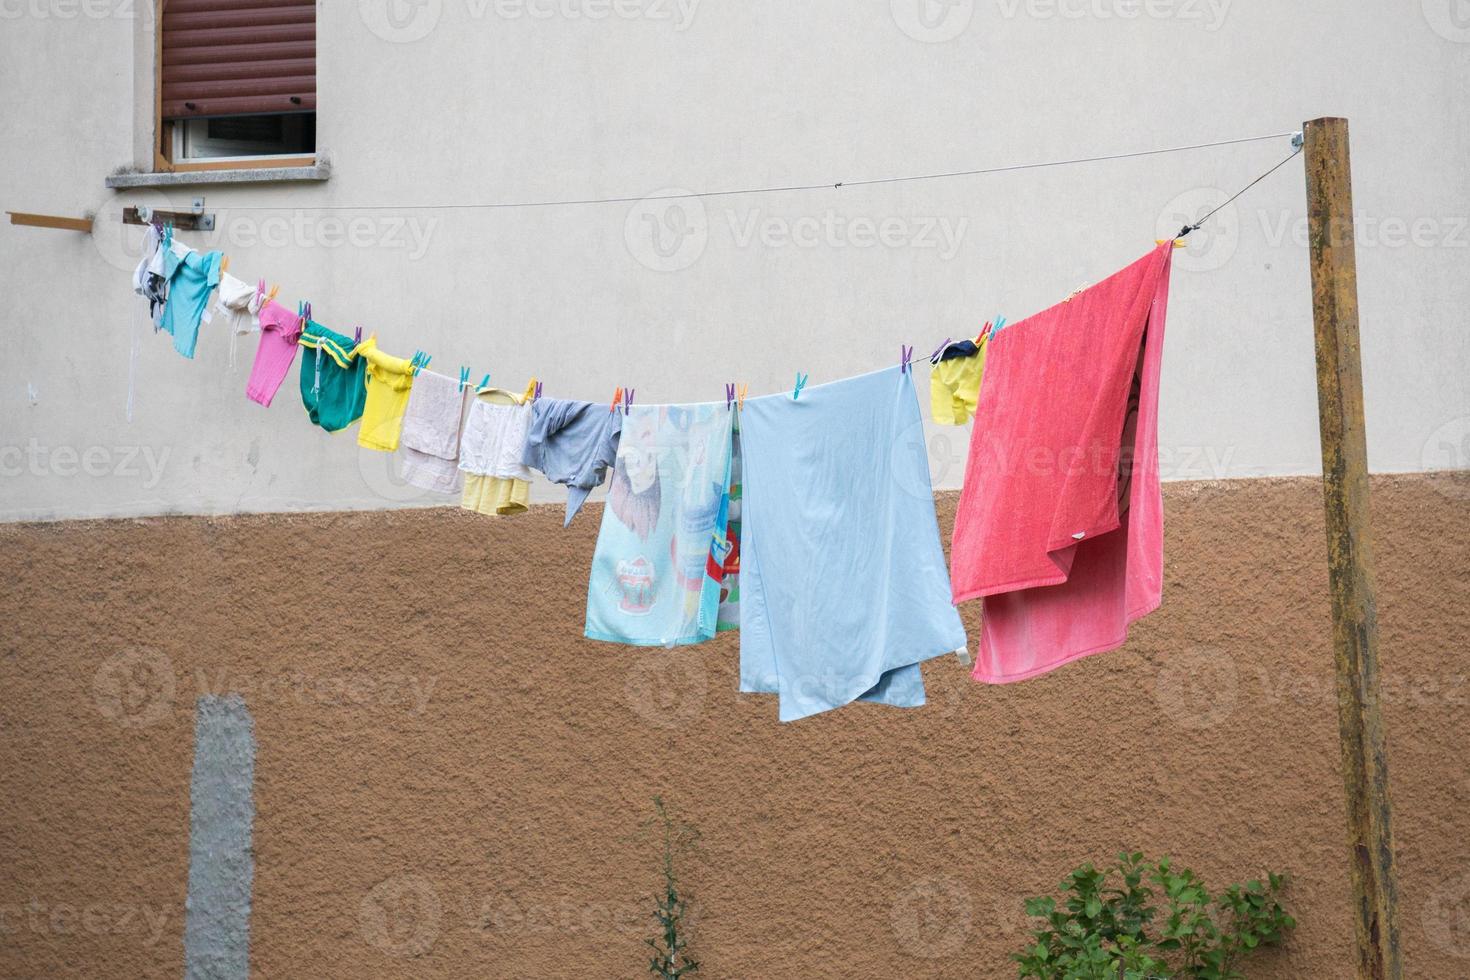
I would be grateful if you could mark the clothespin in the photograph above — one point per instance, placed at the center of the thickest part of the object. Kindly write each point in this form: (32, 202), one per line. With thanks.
(485, 381)
(729, 395)
(740, 400)
(273, 293)
(356, 335)
(800, 384)
(464, 377)
(307, 315)
(617, 400)
(1177, 242)
(627, 400)
(939, 351)
(259, 289)
(535, 394)
(999, 322)
(224, 264)
(905, 356)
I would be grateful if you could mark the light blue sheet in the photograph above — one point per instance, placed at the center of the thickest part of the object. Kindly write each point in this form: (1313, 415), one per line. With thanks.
(844, 589)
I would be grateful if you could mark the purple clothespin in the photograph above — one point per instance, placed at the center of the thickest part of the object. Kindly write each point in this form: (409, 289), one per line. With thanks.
(939, 351)
(356, 335)
(729, 394)
(627, 400)
(536, 394)
(906, 355)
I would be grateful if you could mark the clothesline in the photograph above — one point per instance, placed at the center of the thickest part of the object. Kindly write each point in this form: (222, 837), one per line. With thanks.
(828, 185)
(918, 356)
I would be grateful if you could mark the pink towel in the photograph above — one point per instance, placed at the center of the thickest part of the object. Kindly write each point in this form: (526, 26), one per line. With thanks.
(1066, 547)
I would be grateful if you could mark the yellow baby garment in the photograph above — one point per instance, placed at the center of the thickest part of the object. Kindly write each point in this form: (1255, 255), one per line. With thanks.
(388, 381)
(954, 386)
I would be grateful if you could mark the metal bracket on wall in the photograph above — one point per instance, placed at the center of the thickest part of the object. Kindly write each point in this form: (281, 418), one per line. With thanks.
(193, 220)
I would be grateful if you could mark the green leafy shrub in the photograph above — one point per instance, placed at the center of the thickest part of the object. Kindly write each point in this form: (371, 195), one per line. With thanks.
(1108, 925)
(671, 959)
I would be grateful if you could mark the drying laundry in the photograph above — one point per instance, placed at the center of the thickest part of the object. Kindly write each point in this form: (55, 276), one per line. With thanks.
(843, 589)
(496, 482)
(388, 382)
(332, 378)
(652, 582)
(954, 383)
(1060, 523)
(191, 278)
(232, 301)
(726, 570)
(572, 443)
(429, 445)
(280, 329)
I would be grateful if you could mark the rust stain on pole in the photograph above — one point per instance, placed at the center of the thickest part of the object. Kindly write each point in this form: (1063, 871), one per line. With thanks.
(1349, 545)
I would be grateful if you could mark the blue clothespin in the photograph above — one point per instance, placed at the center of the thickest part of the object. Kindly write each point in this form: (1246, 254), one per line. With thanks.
(1000, 321)
(464, 377)
(425, 362)
(729, 395)
(485, 381)
(627, 400)
(906, 356)
(800, 384)
(939, 351)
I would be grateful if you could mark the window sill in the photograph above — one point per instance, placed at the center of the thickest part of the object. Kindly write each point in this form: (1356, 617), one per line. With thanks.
(315, 173)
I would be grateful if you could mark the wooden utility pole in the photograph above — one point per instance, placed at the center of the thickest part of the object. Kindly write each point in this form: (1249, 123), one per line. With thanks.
(1349, 545)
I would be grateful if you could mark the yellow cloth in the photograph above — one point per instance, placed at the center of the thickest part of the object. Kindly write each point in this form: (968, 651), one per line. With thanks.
(388, 380)
(954, 386)
(492, 495)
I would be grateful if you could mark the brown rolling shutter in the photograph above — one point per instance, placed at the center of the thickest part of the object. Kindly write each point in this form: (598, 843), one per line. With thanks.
(238, 57)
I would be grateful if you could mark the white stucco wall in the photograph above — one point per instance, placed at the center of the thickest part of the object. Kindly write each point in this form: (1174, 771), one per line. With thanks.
(455, 101)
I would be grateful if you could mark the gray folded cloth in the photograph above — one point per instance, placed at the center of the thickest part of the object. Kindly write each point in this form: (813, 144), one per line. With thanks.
(573, 443)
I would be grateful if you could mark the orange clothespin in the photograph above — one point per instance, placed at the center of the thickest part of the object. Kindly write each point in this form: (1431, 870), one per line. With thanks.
(617, 400)
(272, 294)
(224, 264)
(740, 401)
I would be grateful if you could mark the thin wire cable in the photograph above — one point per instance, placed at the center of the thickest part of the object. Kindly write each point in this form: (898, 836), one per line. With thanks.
(490, 205)
(1189, 228)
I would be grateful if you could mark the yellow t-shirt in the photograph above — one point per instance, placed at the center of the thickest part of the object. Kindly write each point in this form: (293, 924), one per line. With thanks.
(388, 380)
(954, 386)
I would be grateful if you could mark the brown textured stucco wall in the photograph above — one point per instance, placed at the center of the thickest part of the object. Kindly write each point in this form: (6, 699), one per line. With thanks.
(449, 779)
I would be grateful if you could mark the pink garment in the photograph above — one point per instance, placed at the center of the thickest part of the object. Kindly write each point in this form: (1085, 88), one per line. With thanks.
(279, 331)
(1066, 549)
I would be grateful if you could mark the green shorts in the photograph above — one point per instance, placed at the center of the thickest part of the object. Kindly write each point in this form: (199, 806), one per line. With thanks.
(332, 379)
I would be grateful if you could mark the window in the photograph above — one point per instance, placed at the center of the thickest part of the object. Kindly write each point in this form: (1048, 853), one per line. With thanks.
(237, 83)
